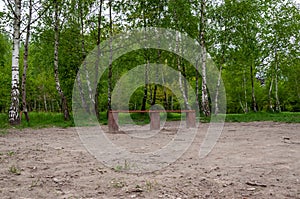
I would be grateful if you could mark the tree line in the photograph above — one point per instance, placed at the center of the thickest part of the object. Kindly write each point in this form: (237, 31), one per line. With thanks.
(254, 44)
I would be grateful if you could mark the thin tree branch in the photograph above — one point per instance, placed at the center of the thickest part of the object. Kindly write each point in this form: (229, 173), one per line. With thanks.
(33, 21)
(8, 4)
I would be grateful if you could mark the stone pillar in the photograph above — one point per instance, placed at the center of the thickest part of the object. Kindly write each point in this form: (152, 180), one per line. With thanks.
(155, 121)
(113, 118)
(191, 119)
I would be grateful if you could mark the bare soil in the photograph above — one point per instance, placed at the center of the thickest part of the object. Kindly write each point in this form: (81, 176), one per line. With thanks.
(250, 160)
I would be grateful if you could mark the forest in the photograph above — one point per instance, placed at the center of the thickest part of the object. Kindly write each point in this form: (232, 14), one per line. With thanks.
(255, 45)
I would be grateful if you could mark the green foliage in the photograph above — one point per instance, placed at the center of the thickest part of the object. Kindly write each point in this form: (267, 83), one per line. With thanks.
(45, 120)
(264, 116)
(241, 35)
(38, 120)
(5, 74)
(14, 170)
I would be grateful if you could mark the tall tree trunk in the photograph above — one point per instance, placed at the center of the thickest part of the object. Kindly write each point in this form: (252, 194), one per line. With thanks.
(166, 104)
(56, 55)
(217, 90)
(277, 103)
(254, 106)
(83, 58)
(185, 89)
(45, 103)
(150, 92)
(144, 102)
(181, 86)
(98, 59)
(24, 103)
(83, 101)
(205, 101)
(245, 92)
(270, 95)
(197, 85)
(14, 107)
(157, 77)
(34, 106)
(78, 79)
(110, 59)
(178, 63)
(172, 102)
(154, 95)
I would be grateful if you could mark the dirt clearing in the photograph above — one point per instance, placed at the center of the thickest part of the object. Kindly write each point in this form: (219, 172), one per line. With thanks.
(250, 160)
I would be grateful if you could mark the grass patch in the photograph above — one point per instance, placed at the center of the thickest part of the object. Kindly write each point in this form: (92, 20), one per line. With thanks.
(43, 119)
(14, 170)
(37, 120)
(287, 117)
(137, 118)
(3, 132)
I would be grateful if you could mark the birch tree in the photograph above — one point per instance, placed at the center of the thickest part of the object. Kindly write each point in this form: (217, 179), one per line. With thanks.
(14, 117)
(280, 30)
(205, 101)
(25, 61)
(109, 81)
(56, 56)
(99, 30)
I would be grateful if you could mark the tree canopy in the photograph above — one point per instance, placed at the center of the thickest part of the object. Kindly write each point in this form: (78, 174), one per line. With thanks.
(255, 45)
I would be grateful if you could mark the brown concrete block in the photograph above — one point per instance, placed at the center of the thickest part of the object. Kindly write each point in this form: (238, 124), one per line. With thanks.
(191, 119)
(113, 118)
(155, 121)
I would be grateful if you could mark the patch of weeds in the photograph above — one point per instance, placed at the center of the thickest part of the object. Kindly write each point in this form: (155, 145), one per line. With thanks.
(11, 153)
(14, 170)
(34, 183)
(3, 132)
(149, 185)
(124, 167)
(118, 183)
(118, 168)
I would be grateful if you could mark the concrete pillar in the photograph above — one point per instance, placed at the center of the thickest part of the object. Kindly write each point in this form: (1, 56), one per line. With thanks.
(155, 121)
(113, 118)
(191, 119)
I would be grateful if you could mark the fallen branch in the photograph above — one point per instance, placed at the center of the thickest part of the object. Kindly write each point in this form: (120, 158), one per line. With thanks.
(257, 184)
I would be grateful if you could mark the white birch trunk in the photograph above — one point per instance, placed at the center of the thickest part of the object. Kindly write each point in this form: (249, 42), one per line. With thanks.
(186, 103)
(78, 79)
(205, 102)
(98, 58)
(277, 103)
(254, 105)
(91, 97)
(165, 91)
(270, 95)
(110, 58)
(14, 107)
(217, 91)
(45, 103)
(83, 101)
(245, 92)
(197, 85)
(24, 103)
(56, 46)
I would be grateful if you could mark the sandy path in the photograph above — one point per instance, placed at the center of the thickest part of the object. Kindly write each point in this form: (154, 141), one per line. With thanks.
(250, 160)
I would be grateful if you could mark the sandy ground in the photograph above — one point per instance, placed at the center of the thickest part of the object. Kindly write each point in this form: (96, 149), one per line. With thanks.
(250, 160)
